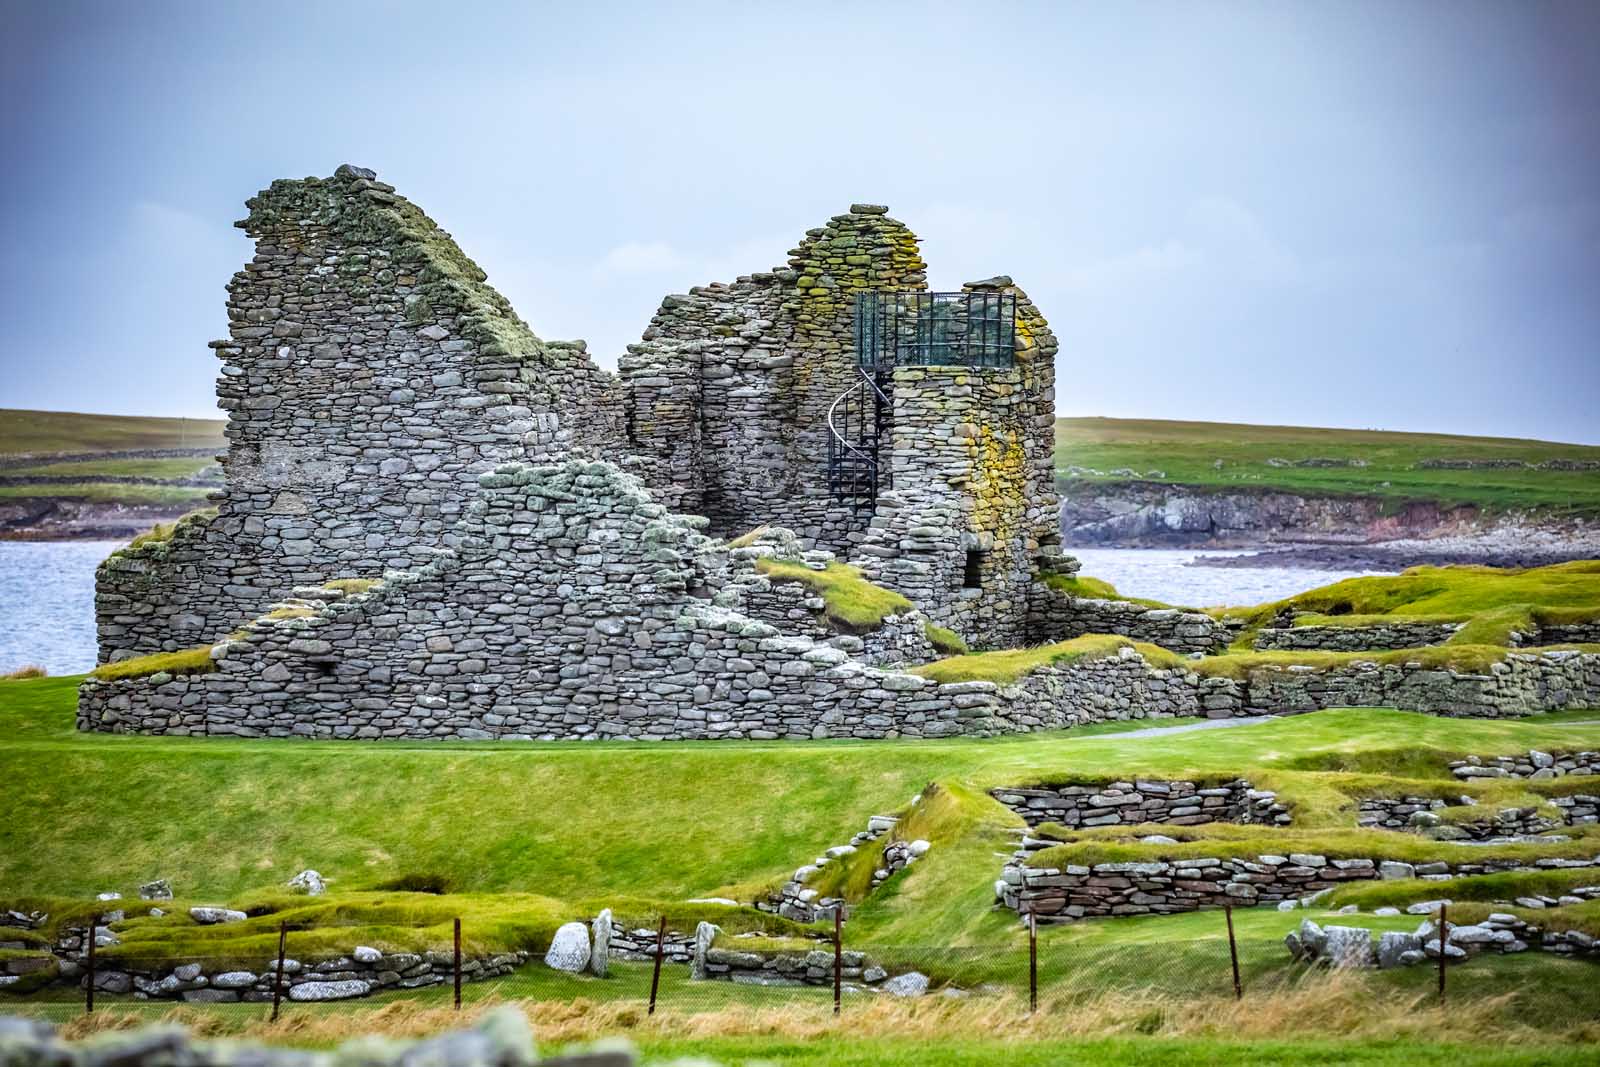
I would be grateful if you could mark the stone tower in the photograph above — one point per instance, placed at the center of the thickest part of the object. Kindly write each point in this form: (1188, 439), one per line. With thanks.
(929, 464)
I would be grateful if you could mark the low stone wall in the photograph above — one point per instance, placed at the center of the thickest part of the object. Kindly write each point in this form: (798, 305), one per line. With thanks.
(793, 900)
(1421, 814)
(360, 973)
(1144, 800)
(1160, 887)
(1118, 687)
(1354, 638)
(1533, 764)
(1578, 808)
(726, 962)
(1571, 633)
(1058, 616)
(1524, 683)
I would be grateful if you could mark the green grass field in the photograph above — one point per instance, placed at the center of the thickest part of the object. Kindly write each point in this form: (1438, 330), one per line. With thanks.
(527, 835)
(70, 431)
(1188, 453)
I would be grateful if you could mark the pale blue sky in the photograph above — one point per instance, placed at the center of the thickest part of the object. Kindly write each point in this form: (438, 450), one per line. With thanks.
(1354, 213)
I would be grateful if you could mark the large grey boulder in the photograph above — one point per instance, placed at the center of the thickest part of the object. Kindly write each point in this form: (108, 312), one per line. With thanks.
(160, 889)
(500, 1039)
(704, 935)
(212, 916)
(308, 882)
(569, 949)
(1394, 945)
(600, 951)
(1349, 947)
(1312, 938)
(910, 984)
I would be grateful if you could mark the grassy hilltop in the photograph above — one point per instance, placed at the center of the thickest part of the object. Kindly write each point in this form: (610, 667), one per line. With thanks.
(1395, 467)
(62, 465)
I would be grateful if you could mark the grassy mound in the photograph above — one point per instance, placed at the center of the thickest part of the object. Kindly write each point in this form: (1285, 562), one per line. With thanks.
(1491, 601)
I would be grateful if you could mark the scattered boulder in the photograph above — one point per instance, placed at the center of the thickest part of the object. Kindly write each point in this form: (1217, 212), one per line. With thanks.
(212, 916)
(1395, 945)
(308, 882)
(569, 949)
(600, 953)
(160, 889)
(1349, 947)
(910, 984)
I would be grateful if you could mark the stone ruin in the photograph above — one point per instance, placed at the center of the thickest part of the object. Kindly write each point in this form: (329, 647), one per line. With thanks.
(523, 543)
(436, 524)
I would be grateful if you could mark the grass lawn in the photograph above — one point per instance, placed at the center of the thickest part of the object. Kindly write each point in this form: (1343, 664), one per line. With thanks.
(224, 817)
(1187, 453)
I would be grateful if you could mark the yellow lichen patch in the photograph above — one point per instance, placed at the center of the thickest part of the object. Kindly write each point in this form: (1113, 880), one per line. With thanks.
(999, 481)
(350, 586)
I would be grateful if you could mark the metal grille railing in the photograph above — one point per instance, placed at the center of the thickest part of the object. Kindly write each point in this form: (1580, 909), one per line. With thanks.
(909, 329)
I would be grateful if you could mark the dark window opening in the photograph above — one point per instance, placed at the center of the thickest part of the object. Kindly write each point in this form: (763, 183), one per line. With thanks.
(973, 579)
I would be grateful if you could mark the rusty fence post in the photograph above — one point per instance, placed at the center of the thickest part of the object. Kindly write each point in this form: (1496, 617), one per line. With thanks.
(838, 952)
(277, 984)
(1441, 950)
(1033, 961)
(88, 1003)
(1233, 953)
(458, 963)
(655, 975)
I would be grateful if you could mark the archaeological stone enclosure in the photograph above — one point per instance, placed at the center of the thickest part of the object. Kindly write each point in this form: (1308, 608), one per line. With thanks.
(436, 524)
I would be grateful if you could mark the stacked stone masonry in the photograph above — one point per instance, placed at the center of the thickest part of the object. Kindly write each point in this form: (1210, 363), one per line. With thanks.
(1063, 894)
(1354, 638)
(370, 375)
(1422, 814)
(1533, 764)
(362, 972)
(1058, 616)
(1144, 800)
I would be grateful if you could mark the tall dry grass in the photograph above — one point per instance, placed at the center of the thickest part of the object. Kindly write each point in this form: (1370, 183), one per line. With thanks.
(1331, 1006)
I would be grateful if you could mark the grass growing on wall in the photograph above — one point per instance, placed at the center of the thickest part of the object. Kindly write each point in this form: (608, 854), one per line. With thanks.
(187, 661)
(853, 603)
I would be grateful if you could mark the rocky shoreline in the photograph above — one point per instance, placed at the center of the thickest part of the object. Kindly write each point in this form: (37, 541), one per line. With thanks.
(1502, 547)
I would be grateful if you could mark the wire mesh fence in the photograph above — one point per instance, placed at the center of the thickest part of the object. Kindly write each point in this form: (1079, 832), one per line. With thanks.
(293, 972)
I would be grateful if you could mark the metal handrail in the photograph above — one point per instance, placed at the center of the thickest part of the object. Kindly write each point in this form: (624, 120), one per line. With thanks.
(834, 429)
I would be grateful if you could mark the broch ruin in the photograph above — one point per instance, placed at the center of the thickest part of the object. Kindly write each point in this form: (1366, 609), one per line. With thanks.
(435, 524)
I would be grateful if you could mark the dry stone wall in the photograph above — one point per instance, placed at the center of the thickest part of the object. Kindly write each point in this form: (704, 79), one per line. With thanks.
(1056, 615)
(1162, 887)
(727, 395)
(1354, 638)
(1144, 800)
(574, 606)
(1524, 683)
(370, 375)
(1421, 814)
(1532, 764)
